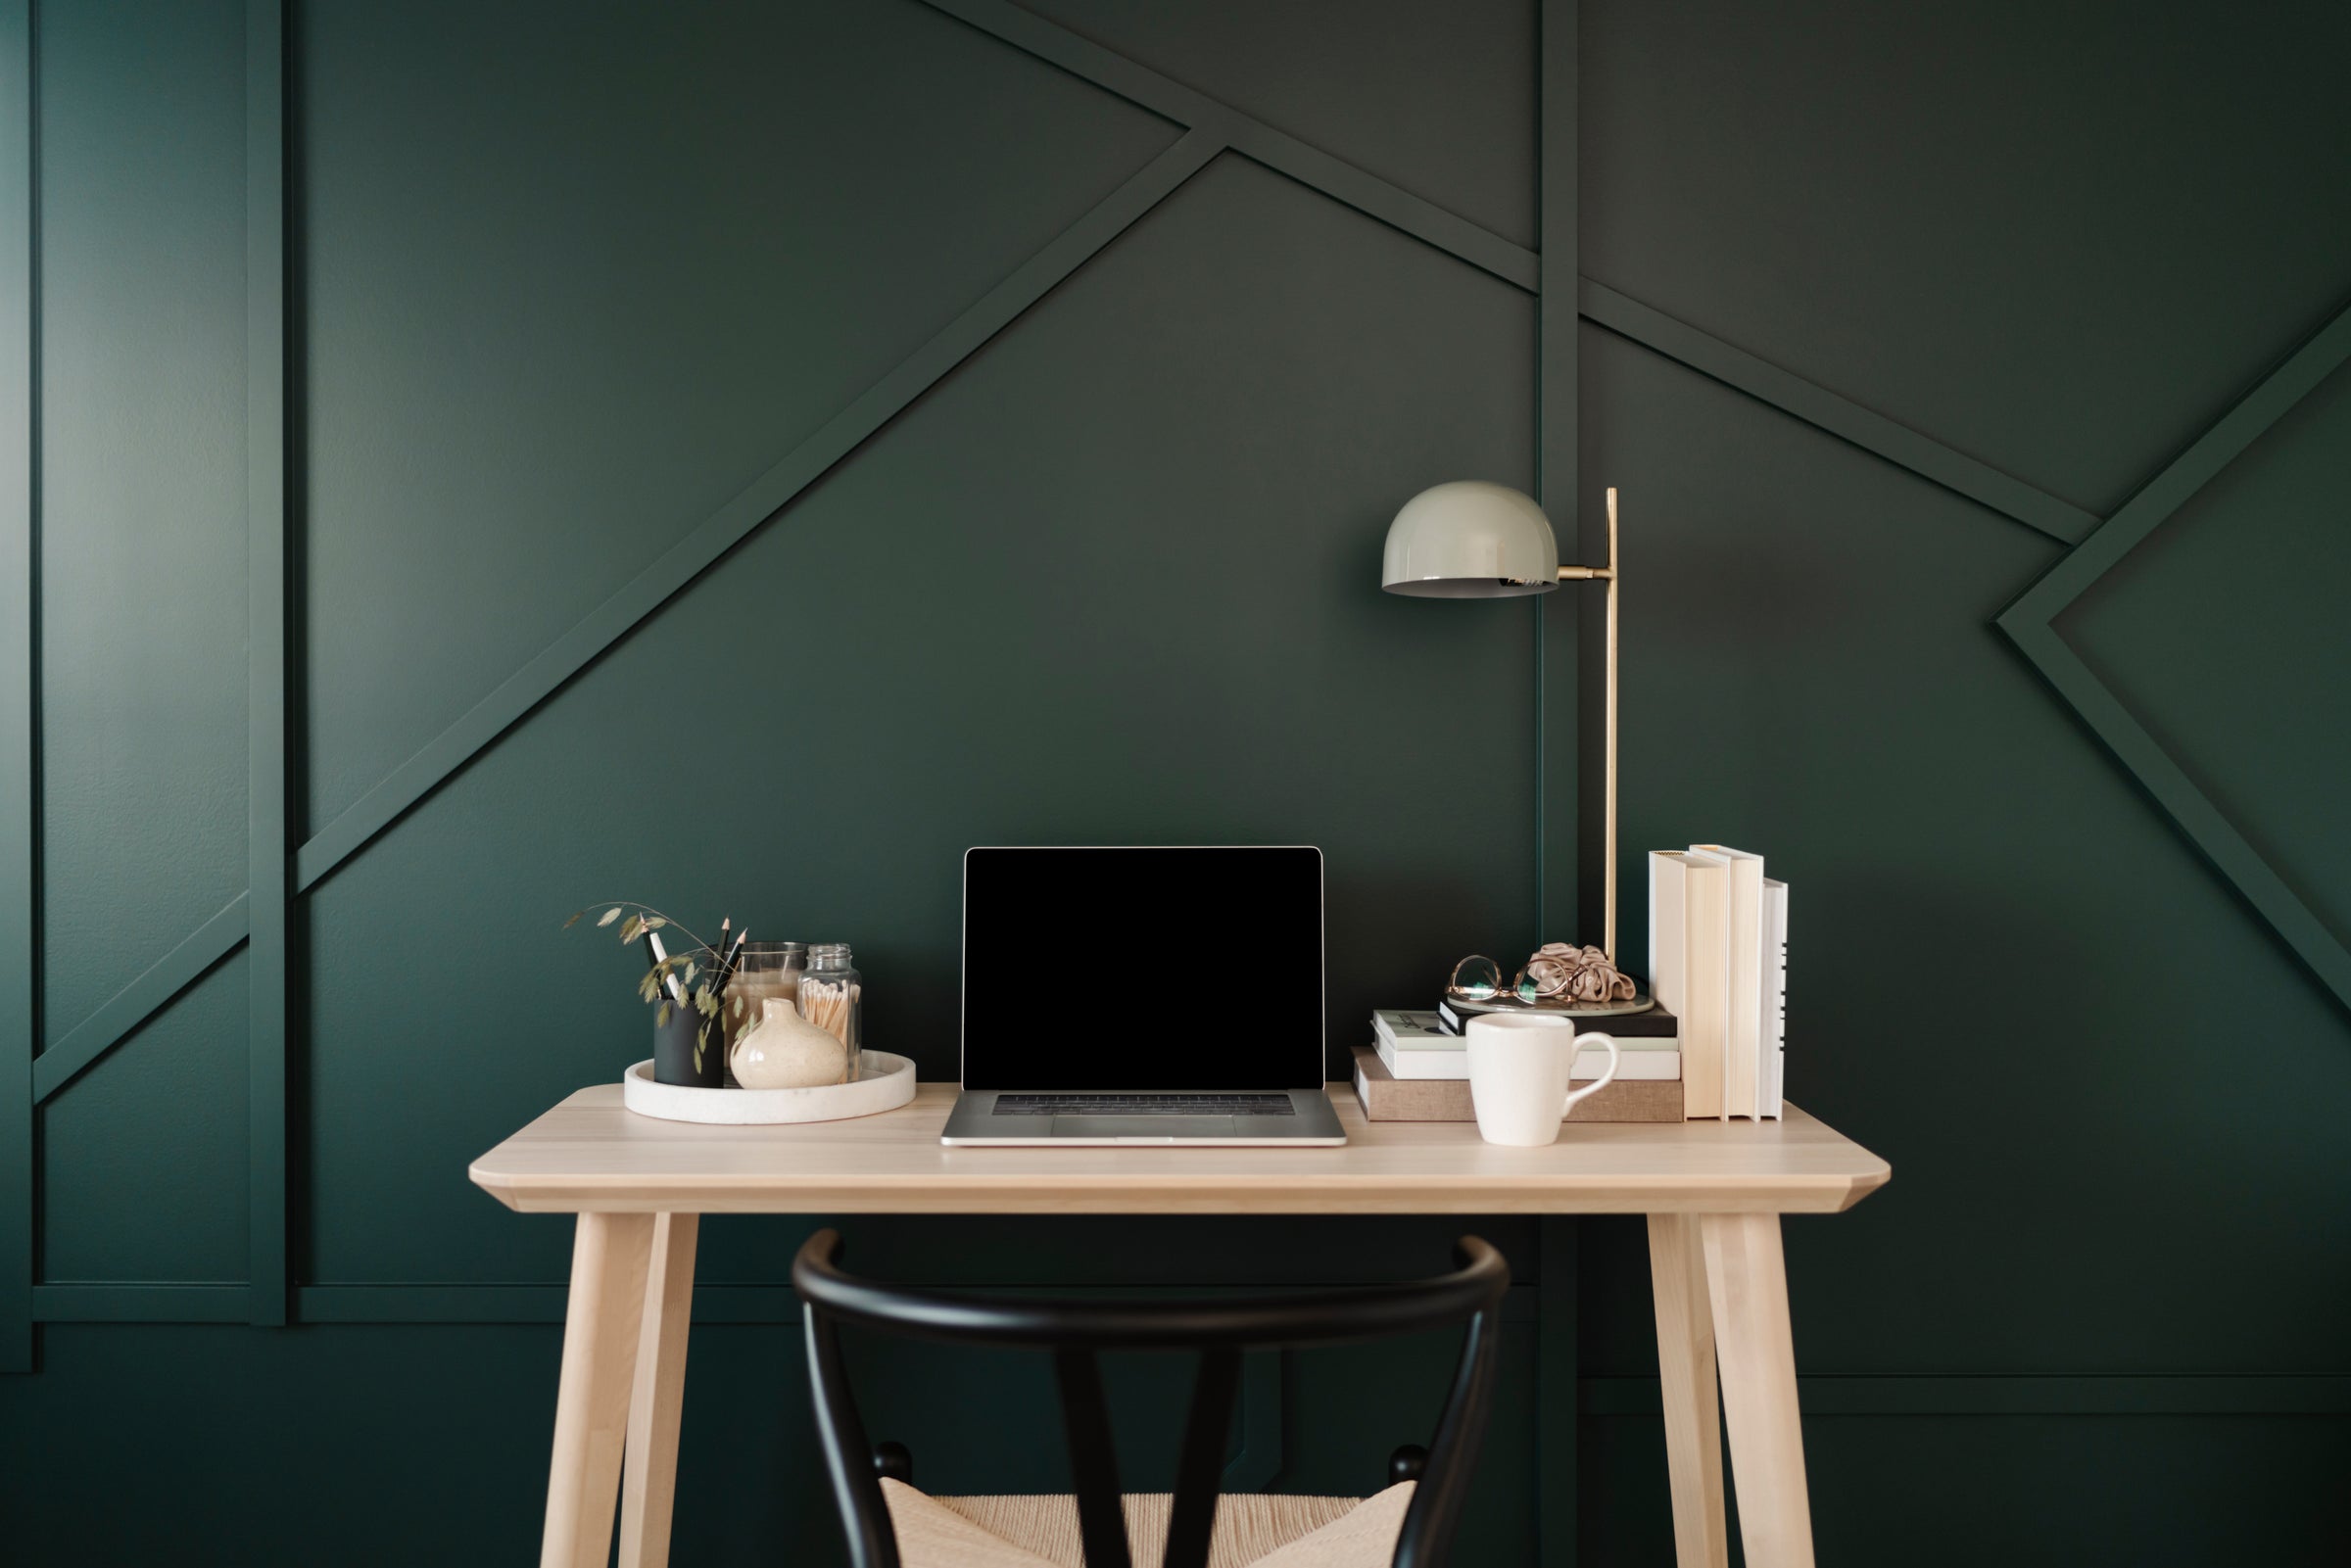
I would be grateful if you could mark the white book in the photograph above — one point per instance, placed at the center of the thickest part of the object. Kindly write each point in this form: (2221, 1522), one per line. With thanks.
(1408, 1064)
(1688, 953)
(1652, 1059)
(1412, 1030)
(1775, 995)
(1743, 1093)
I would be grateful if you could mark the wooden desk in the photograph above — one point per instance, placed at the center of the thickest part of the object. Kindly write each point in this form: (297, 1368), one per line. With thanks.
(1714, 1193)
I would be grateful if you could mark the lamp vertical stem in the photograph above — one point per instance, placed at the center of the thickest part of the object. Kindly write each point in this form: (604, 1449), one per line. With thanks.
(1609, 811)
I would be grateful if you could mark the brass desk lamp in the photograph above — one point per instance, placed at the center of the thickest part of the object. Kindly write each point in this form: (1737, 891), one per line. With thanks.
(1471, 540)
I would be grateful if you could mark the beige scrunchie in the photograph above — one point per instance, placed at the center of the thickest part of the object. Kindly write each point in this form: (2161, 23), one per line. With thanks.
(1588, 974)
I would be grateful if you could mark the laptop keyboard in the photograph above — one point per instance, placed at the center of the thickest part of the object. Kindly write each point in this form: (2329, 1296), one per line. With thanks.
(1144, 1105)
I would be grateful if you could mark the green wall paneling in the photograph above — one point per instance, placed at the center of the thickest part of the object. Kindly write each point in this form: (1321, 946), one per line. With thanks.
(1020, 322)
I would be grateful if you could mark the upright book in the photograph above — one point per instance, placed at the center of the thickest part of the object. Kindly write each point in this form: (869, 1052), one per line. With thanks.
(1774, 1078)
(1688, 961)
(1743, 1059)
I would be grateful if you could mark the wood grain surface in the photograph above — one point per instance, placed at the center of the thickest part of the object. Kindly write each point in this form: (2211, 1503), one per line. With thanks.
(589, 1155)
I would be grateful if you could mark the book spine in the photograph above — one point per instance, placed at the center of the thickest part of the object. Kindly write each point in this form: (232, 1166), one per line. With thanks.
(1706, 1011)
(1775, 997)
(1743, 1044)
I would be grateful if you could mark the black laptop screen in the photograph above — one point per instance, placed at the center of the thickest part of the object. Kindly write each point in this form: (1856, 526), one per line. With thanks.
(1142, 970)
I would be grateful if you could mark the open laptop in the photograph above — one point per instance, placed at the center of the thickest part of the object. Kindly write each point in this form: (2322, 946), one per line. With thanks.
(1142, 996)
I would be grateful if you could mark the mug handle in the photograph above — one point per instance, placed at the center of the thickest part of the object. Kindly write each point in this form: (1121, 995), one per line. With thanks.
(1597, 1084)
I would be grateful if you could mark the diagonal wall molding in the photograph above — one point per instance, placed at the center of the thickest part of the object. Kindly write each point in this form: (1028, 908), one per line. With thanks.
(686, 560)
(121, 1014)
(2031, 623)
(1840, 416)
(1253, 138)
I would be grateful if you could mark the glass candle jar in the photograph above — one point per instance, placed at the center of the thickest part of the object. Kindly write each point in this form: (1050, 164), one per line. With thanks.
(832, 997)
(765, 970)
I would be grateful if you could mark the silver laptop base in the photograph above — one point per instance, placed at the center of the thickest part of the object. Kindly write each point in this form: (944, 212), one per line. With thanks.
(1081, 1120)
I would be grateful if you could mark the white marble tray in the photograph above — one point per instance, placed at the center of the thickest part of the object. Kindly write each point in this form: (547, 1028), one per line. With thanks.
(885, 1083)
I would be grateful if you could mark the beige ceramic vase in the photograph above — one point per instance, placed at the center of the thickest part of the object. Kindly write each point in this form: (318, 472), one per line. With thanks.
(784, 1051)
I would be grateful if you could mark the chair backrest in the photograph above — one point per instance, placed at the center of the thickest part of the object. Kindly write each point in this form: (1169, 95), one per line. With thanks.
(1078, 1331)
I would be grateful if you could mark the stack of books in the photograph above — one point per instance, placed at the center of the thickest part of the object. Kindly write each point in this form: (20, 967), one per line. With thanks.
(1718, 957)
(1416, 1068)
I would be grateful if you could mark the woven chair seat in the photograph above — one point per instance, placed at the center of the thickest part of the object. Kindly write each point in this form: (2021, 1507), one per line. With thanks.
(1253, 1530)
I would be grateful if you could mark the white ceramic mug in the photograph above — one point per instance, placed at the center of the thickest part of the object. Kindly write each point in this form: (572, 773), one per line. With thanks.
(1519, 1066)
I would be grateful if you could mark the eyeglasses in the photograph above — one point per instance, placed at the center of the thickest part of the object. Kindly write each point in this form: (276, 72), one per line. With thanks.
(1479, 978)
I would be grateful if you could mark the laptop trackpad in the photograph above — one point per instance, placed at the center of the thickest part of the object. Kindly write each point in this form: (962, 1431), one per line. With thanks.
(1144, 1127)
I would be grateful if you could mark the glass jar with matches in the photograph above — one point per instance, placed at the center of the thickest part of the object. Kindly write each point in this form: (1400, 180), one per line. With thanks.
(832, 997)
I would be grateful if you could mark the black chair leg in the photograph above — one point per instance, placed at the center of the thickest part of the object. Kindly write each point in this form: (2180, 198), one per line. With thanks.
(1408, 1464)
(891, 1463)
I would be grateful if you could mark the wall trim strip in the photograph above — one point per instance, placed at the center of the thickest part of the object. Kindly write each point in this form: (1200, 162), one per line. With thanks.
(19, 694)
(2290, 1393)
(268, 909)
(1840, 416)
(1559, 616)
(142, 1303)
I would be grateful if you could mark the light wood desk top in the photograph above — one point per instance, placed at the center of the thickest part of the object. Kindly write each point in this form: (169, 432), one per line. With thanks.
(589, 1155)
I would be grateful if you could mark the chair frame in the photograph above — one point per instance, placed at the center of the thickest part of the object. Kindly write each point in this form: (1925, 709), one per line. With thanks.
(1076, 1333)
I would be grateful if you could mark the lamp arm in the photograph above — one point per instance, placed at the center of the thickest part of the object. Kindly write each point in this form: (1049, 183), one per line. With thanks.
(1607, 574)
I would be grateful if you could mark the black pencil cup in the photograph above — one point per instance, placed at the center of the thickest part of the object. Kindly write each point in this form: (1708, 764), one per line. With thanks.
(674, 1048)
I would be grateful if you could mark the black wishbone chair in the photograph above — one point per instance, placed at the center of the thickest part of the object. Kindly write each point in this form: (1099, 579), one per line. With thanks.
(1078, 1331)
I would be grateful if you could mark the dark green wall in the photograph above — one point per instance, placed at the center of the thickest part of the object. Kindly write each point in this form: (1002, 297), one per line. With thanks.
(1886, 311)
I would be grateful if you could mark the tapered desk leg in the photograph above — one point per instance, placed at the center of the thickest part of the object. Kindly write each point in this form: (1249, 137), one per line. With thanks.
(1677, 1274)
(648, 1481)
(1746, 1277)
(609, 1255)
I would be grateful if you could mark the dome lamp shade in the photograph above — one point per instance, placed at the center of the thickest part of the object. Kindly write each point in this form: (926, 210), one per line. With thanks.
(1470, 540)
